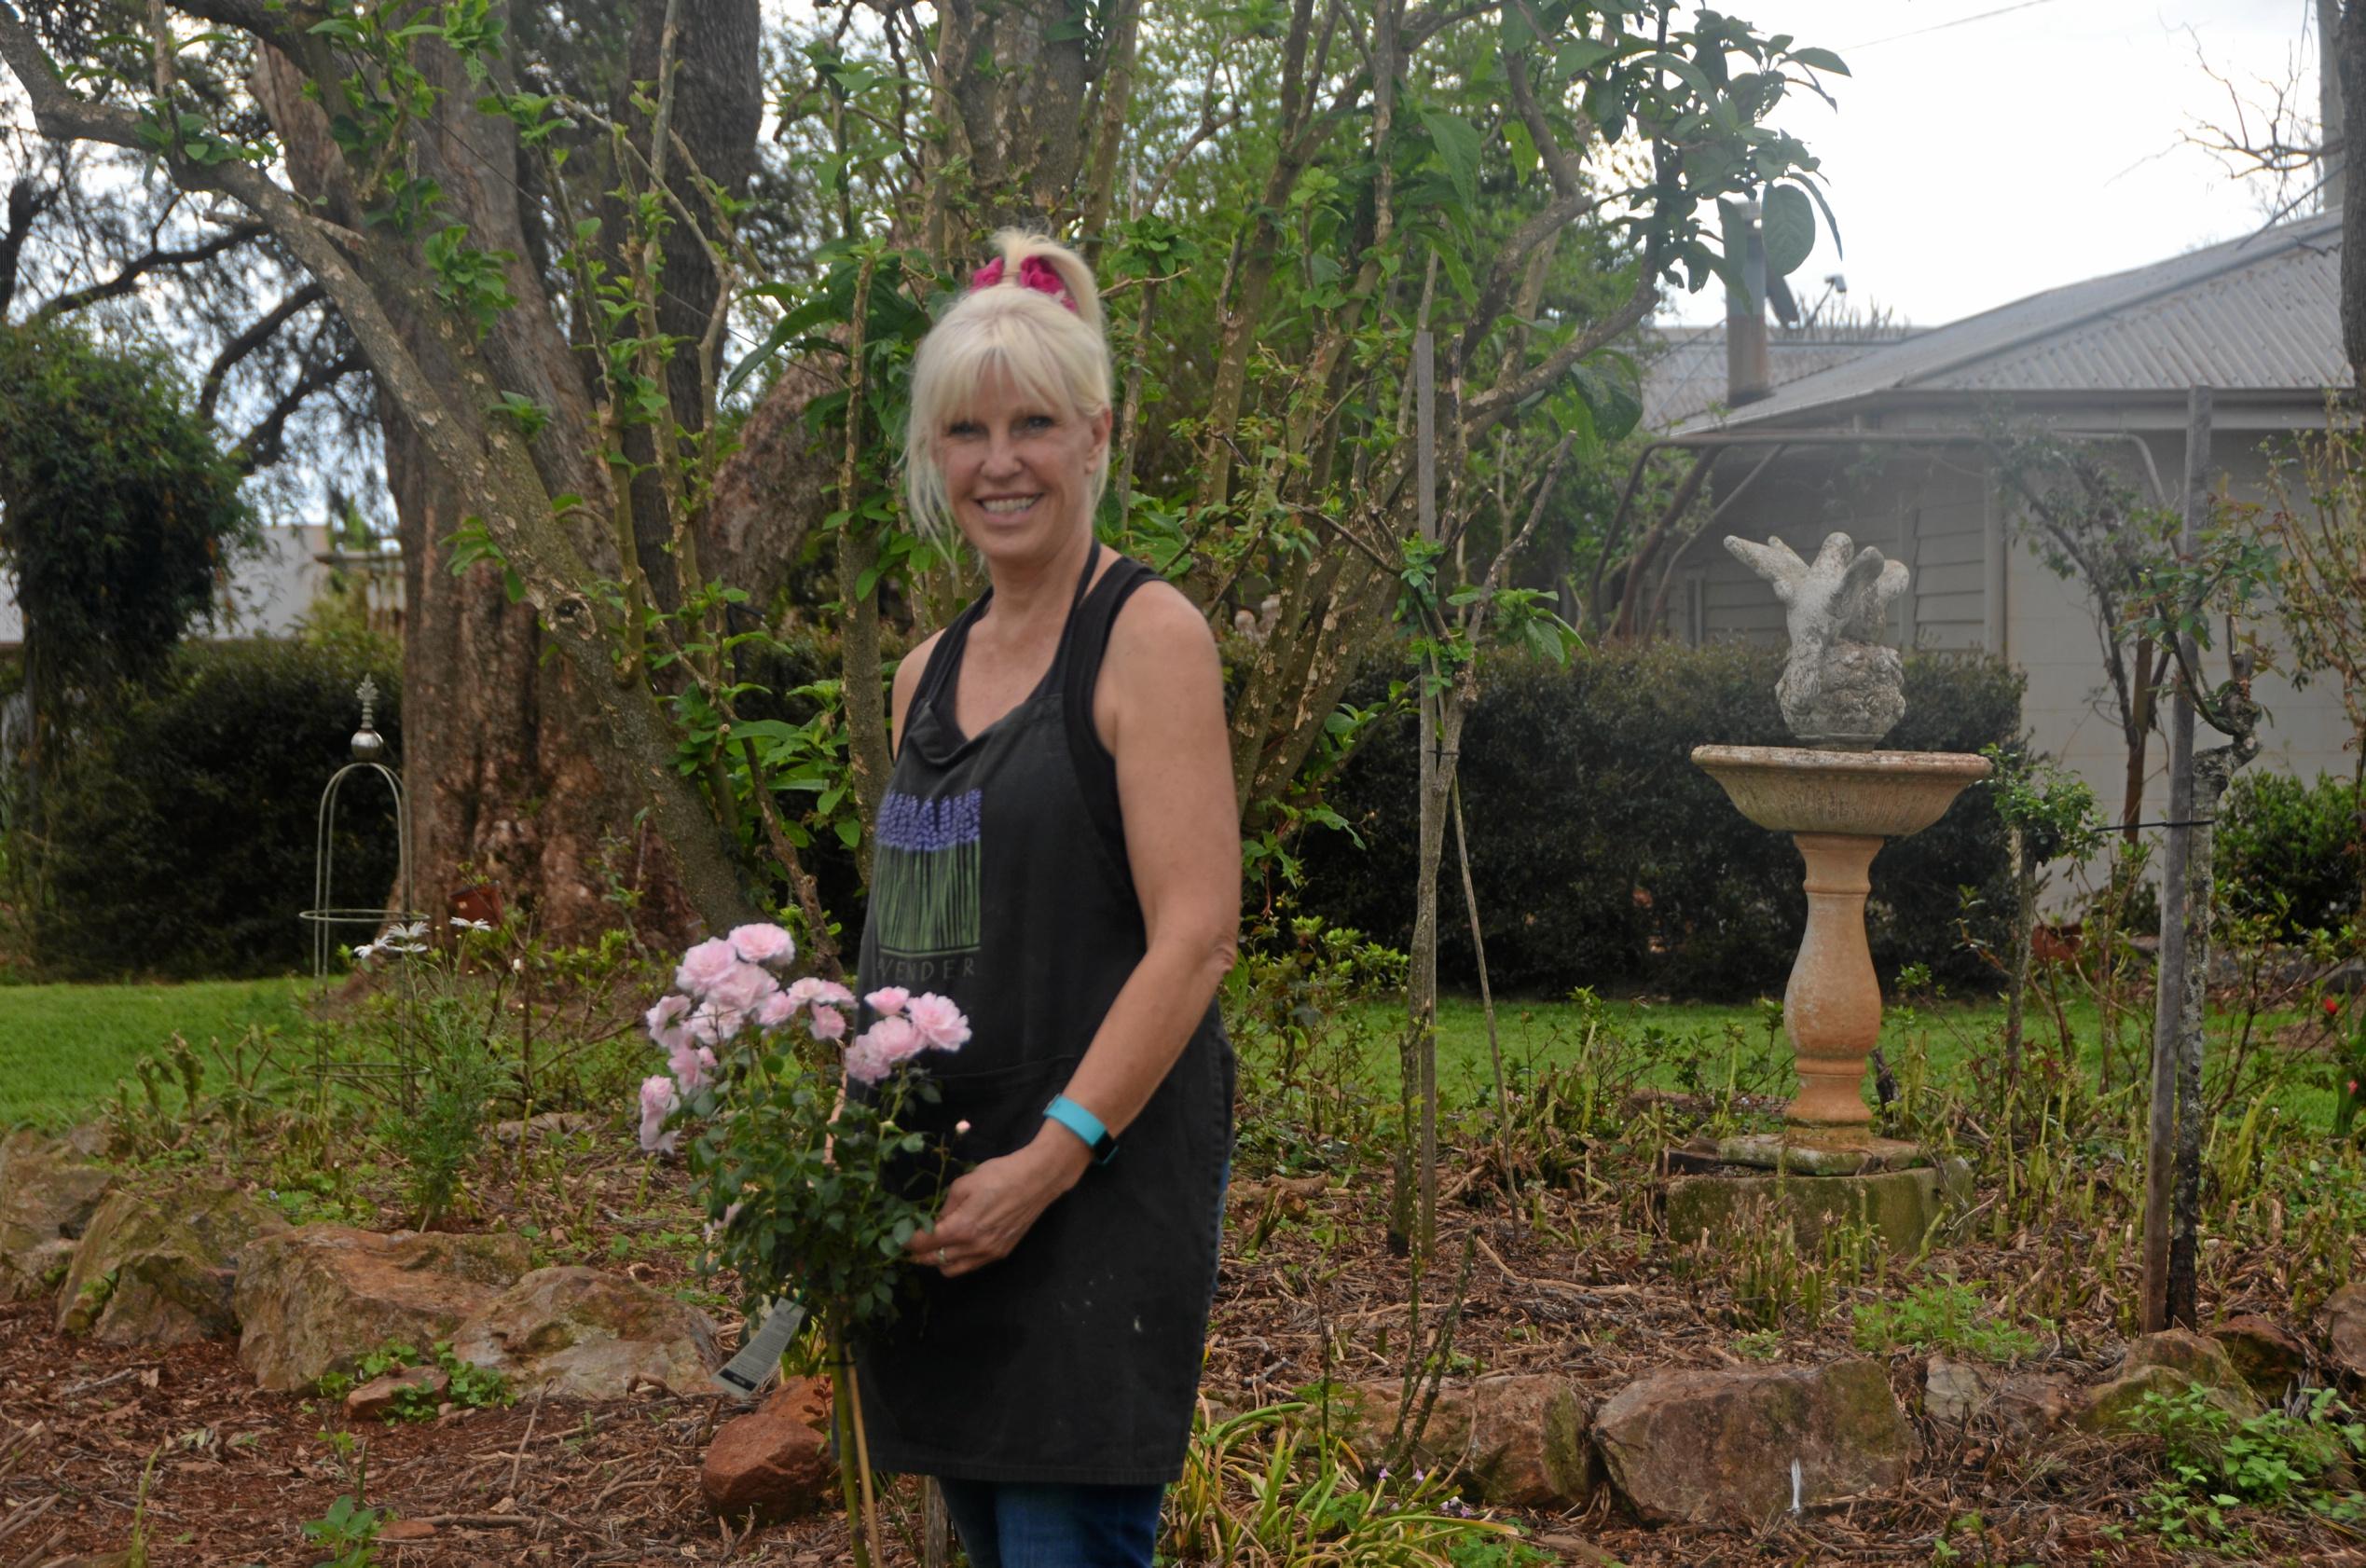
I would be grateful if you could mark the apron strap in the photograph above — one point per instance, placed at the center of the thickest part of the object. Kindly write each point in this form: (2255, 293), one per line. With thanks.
(1088, 638)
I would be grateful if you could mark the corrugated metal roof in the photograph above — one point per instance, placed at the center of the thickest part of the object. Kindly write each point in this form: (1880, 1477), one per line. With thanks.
(1684, 368)
(2259, 313)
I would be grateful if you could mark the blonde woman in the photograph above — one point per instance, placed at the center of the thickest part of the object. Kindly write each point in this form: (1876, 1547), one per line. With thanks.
(1058, 853)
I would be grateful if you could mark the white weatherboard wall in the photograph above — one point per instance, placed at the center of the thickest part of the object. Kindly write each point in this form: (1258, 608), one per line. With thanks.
(269, 591)
(1978, 587)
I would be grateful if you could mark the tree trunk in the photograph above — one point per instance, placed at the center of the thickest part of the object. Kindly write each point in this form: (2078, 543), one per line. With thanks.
(2212, 770)
(718, 106)
(2349, 63)
(2016, 959)
(515, 777)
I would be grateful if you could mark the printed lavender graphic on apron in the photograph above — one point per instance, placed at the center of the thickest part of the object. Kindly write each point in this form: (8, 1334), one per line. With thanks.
(925, 874)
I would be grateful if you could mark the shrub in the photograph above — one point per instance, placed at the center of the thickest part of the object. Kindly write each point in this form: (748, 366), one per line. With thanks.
(179, 841)
(2294, 851)
(1603, 857)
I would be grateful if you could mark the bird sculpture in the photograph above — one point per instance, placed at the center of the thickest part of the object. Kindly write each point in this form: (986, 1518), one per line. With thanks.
(1842, 687)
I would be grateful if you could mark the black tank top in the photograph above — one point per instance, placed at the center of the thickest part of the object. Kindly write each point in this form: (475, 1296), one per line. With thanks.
(1000, 879)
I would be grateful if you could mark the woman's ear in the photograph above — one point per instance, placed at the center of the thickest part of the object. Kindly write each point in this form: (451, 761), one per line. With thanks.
(1102, 423)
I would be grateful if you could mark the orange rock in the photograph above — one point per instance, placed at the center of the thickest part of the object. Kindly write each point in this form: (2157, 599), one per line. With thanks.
(768, 1465)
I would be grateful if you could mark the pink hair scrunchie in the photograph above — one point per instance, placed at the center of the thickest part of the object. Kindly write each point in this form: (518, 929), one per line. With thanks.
(1034, 274)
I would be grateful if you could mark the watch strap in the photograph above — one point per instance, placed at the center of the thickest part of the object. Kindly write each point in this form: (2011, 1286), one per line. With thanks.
(1096, 1137)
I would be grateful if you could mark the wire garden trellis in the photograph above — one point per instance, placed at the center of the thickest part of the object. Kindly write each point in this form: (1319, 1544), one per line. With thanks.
(326, 917)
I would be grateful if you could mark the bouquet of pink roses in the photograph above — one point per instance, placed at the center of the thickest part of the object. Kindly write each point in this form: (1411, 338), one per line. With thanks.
(807, 1183)
(798, 1138)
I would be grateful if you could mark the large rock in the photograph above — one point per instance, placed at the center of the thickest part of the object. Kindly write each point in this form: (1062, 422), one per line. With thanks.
(1953, 1391)
(2346, 1328)
(2029, 1406)
(2021, 1407)
(156, 1265)
(2168, 1364)
(1519, 1437)
(775, 1462)
(2269, 1357)
(587, 1335)
(316, 1298)
(1720, 1447)
(49, 1187)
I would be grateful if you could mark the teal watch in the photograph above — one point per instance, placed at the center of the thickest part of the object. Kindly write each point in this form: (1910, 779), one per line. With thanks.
(1098, 1140)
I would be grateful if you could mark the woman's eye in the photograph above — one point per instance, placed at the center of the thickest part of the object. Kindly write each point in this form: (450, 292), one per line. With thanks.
(963, 428)
(1037, 423)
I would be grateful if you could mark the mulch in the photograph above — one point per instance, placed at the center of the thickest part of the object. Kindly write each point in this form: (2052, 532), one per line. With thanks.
(93, 1438)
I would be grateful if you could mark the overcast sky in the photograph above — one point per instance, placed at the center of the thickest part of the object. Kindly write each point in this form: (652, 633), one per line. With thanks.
(1975, 163)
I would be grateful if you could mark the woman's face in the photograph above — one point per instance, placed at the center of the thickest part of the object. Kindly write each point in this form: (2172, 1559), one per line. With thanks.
(1019, 472)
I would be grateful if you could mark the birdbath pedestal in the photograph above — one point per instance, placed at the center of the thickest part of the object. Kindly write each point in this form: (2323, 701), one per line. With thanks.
(1840, 807)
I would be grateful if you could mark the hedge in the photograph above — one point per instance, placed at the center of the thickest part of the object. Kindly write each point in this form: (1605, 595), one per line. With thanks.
(2292, 850)
(1603, 858)
(180, 843)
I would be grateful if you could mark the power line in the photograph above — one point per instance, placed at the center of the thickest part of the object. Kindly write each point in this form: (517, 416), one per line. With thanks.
(1943, 26)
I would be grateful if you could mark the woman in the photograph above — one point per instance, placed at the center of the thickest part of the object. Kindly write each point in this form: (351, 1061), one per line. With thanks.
(1058, 853)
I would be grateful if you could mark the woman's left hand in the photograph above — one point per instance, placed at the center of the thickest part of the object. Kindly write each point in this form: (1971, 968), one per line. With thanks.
(988, 1210)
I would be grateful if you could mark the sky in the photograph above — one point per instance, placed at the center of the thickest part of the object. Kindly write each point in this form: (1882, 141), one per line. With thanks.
(1985, 150)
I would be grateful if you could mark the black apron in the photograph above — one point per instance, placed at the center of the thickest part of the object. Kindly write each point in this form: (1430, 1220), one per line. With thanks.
(1000, 879)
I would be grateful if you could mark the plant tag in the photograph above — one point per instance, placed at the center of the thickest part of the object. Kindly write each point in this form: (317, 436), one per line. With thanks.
(759, 1357)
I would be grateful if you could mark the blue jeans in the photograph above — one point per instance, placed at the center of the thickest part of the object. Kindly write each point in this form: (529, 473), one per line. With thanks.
(1027, 1525)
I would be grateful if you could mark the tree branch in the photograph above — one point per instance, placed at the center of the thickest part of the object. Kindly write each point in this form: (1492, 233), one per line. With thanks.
(27, 203)
(247, 342)
(128, 277)
(266, 444)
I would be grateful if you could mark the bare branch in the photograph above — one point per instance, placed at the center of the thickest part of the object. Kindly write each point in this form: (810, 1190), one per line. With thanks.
(247, 342)
(267, 443)
(128, 277)
(27, 201)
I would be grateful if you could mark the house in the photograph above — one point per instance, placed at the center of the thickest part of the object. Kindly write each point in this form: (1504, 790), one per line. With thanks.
(1889, 445)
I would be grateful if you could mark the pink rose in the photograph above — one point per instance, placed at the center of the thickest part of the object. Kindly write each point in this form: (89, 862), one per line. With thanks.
(764, 945)
(888, 1000)
(803, 990)
(658, 1101)
(828, 1023)
(666, 1014)
(894, 1040)
(776, 1008)
(865, 1062)
(738, 992)
(675, 1040)
(706, 964)
(940, 1024)
(690, 1063)
(712, 1025)
(832, 991)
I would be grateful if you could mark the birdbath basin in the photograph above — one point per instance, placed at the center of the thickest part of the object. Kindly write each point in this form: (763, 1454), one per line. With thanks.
(1840, 807)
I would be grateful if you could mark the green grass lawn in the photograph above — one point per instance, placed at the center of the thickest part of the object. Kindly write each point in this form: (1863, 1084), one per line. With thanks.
(1943, 1039)
(63, 1047)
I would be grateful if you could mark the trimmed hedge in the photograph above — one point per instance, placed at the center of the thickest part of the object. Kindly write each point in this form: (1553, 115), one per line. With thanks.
(2278, 838)
(1603, 857)
(180, 844)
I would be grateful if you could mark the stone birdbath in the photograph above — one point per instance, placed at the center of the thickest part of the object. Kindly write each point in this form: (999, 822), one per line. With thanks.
(1840, 800)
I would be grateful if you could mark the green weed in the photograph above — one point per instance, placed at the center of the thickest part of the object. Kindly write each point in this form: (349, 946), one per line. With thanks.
(1941, 1315)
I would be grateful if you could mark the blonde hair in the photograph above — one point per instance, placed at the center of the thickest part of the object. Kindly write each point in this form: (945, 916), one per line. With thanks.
(1047, 350)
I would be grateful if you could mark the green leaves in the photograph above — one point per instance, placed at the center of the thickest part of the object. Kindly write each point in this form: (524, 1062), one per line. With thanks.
(1458, 145)
(473, 282)
(472, 543)
(1820, 60)
(1790, 223)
